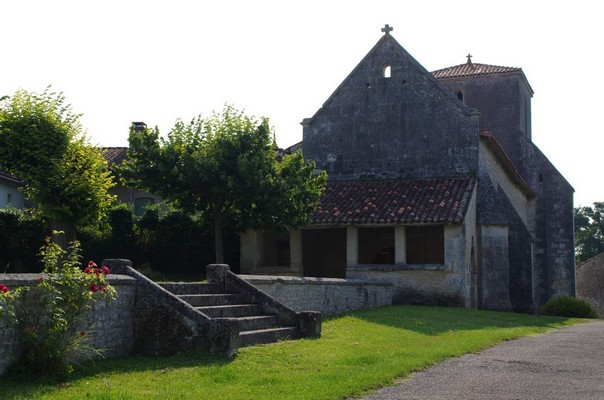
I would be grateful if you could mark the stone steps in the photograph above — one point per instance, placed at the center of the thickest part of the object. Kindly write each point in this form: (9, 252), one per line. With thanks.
(255, 326)
(183, 288)
(231, 311)
(262, 336)
(257, 322)
(200, 300)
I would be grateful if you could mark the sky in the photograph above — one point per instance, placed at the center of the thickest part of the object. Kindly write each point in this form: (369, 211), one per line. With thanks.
(157, 61)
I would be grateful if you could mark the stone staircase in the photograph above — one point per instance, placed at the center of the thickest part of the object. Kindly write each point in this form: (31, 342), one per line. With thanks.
(256, 326)
(221, 315)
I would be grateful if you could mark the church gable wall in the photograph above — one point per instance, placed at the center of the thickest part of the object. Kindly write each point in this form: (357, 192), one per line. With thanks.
(390, 117)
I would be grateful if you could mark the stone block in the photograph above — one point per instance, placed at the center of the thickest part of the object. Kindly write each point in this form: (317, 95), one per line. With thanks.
(224, 337)
(310, 323)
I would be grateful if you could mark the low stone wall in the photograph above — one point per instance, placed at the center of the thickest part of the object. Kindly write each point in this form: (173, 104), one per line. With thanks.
(113, 327)
(590, 283)
(330, 296)
(140, 320)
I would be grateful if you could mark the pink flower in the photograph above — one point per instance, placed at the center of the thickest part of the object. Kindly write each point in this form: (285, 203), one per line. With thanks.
(91, 264)
(3, 288)
(102, 288)
(87, 270)
(93, 287)
(105, 270)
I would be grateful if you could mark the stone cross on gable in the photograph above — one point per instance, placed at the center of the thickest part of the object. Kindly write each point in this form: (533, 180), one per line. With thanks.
(387, 29)
(469, 58)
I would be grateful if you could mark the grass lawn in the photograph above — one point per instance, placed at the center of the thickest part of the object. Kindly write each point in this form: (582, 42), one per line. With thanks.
(357, 352)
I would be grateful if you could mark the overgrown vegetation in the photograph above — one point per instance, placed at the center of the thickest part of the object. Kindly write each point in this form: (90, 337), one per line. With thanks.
(356, 353)
(227, 167)
(49, 318)
(161, 243)
(567, 306)
(589, 231)
(21, 235)
(43, 143)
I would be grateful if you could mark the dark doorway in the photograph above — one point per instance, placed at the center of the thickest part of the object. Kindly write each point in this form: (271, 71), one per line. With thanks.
(324, 252)
(376, 245)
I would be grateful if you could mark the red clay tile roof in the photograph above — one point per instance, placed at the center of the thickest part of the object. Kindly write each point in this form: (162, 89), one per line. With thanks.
(115, 155)
(395, 201)
(469, 69)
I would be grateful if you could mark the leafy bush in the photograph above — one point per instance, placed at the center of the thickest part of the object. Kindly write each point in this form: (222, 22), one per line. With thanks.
(170, 243)
(21, 235)
(50, 317)
(567, 306)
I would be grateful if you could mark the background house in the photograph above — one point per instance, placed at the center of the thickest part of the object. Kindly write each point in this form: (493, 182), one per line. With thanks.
(10, 192)
(434, 185)
(127, 194)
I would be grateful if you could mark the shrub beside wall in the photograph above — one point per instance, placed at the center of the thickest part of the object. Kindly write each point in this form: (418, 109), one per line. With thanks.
(567, 306)
(113, 329)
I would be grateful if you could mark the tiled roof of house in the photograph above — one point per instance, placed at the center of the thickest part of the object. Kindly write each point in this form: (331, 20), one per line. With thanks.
(6, 177)
(469, 69)
(395, 201)
(115, 155)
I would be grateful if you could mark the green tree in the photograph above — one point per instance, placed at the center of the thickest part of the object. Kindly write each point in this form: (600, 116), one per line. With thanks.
(43, 143)
(226, 166)
(589, 231)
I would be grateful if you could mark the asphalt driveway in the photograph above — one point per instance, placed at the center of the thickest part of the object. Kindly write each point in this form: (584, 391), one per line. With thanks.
(566, 363)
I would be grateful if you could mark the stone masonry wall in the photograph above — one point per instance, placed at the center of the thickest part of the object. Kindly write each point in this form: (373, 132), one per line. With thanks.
(590, 283)
(113, 328)
(330, 296)
(137, 322)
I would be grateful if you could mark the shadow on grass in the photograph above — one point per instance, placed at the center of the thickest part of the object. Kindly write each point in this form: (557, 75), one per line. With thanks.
(23, 389)
(429, 320)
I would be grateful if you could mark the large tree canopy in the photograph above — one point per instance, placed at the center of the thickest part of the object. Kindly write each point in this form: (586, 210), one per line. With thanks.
(589, 231)
(226, 165)
(43, 143)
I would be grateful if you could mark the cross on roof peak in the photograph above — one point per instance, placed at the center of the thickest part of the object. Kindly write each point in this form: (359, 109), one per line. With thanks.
(469, 58)
(387, 29)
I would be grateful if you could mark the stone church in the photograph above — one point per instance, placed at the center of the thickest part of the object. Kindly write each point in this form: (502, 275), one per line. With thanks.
(434, 184)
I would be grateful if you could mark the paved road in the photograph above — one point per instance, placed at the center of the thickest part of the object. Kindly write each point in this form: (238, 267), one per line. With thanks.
(566, 363)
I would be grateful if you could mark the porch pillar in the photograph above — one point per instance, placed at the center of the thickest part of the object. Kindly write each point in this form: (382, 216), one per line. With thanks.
(295, 251)
(251, 251)
(352, 246)
(400, 245)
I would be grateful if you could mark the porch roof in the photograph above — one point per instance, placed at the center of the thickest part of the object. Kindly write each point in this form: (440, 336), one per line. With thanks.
(395, 201)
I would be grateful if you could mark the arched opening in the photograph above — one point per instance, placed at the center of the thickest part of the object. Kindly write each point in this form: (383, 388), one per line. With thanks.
(384, 256)
(386, 71)
(376, 245)
(460, 95)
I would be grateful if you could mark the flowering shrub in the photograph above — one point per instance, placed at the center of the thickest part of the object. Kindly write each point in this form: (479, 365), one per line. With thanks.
(50, 317)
